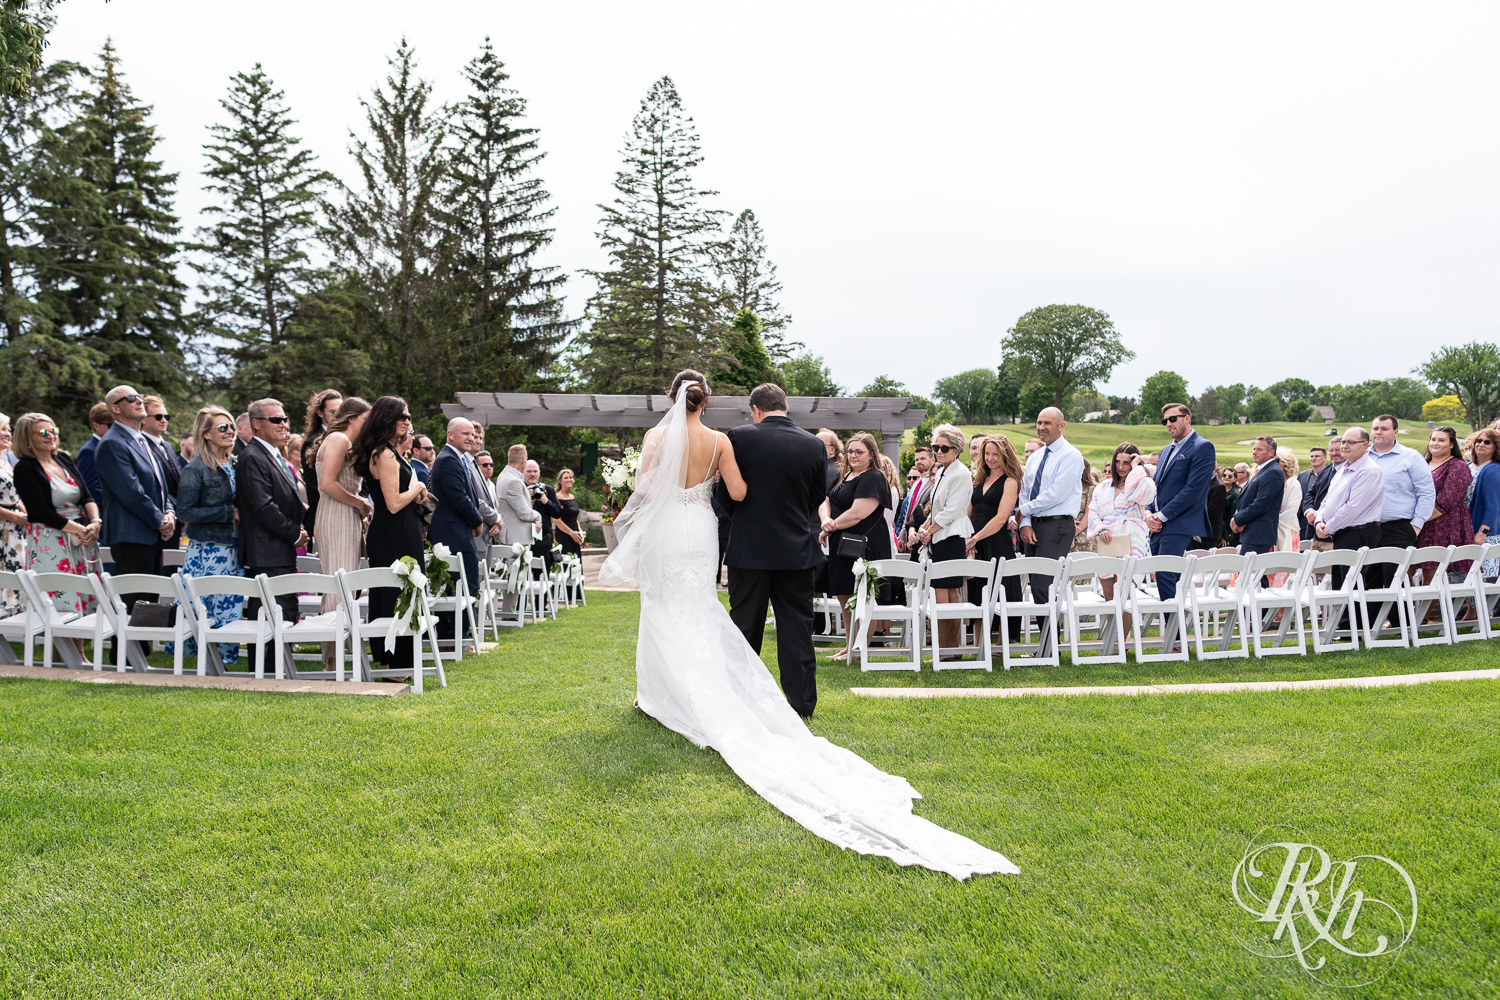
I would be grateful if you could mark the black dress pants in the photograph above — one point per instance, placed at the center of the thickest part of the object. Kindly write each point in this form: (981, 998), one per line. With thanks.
(1402, 535)
(1352, 539)
(789, 592)
(132, 557)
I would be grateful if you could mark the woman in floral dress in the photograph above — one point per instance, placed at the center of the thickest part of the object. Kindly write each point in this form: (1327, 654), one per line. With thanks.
(1449, 523)
(205, 508)
(12, 526)
(62, 531)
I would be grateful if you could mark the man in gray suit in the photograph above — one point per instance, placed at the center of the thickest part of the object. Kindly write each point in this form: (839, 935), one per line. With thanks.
(513, 499)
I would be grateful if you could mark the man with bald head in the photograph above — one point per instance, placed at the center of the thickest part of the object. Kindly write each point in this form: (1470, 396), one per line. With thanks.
(138, 507)
(1051, 495)
(457, 520)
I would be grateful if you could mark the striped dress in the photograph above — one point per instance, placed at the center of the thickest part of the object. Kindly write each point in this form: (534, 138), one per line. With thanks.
(338, 529)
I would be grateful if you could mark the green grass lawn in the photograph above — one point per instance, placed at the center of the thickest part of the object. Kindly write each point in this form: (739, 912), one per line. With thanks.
(526, 832)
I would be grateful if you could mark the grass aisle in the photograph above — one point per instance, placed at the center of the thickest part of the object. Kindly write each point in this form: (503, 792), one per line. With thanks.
(527, 833)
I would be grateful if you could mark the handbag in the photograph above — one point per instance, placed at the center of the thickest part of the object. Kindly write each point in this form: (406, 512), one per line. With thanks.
(152, 615)
(1118, 545)
(851, 546)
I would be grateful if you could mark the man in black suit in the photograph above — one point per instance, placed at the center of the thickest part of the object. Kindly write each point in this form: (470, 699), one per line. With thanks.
(773, 552)
(155, 429)
(1314, 481)
(457, 516)
(270, 508)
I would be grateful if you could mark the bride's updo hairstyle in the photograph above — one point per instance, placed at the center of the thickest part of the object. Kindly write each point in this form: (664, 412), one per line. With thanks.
(697, 395)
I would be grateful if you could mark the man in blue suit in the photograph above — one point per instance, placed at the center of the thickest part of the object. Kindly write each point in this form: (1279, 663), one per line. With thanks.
(138, 510)
(100, 421)
(457, 515)
(1180, 511)
(1260, 501)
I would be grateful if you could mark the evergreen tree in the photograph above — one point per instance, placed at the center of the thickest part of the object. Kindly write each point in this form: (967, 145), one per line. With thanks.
(104, 213)
(656, 310)
(385, 232)
(23, 34)
(254, 265)
(506, 323)
(749, 282)
(752, 365)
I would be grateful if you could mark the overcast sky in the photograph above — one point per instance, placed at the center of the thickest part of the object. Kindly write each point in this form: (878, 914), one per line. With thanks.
(1251, 191)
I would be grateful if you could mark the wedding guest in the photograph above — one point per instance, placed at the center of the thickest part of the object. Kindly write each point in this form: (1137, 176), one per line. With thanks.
(1409, 496)
(206, 510)
(62, 519)
(457, 523)
(1241, 474)
(1288, 520)
(1032, 444)
(1451, 522)
(321, 407)
(1257, 517)
(138, 514)
(835, 455)
(516, 512)
(100, 420)
(1350, 513)
(1217, 497)
(996, 485)
(976, 441)
(1314, 483)
(245, 433)
(544, 502)
(893, 480)
(1117, 513)
(154, 429)
(396, 527)
(572, 536)
(1087, 482)
(270, 507)
(12, 526)
(185, 450)
(489, 502)
(1050, 496)
(1231, 503)
(1484, 508)
(946, 528)
(339, 529)
(423, 454)
(855, 510)
(909, 516)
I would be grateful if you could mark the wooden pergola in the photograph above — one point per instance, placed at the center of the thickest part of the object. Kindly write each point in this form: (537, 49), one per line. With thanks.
(892, 416)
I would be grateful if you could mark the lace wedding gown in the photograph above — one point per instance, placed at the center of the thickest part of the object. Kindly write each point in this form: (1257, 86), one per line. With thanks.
(696, 675)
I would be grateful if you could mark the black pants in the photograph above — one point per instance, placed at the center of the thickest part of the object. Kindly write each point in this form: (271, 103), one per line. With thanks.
(445, 626)
(1352, 539)
(132, 557)
(286, 602)
(1054, 540)
(1402, 535)
(789, 592)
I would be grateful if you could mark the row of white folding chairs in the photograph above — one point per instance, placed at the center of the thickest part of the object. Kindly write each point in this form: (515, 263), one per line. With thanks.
(518, 590)
(41, 620)
(1221, 600)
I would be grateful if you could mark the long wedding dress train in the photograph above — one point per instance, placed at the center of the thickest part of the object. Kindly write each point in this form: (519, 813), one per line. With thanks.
(696, 675)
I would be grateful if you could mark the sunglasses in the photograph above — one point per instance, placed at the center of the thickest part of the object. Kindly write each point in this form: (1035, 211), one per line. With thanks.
(134, 397)
(1172, 419)
(50, 432)
(943, 449)
(912, 479)
(274, 420)
(163, 417)
(486, 465)
(404, 417)
(221, 428)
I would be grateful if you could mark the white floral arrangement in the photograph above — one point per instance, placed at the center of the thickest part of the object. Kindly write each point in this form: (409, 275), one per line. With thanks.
(517, 571)
(619, 480)
(408, 619)
(867, 581)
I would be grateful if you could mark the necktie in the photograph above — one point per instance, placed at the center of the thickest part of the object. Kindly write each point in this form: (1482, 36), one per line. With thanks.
(1036, 484)
(161, 486)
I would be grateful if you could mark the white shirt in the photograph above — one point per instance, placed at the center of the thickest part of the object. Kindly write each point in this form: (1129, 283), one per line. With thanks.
(1061, 491)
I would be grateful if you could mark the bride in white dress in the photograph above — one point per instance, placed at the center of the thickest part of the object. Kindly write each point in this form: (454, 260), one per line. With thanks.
(696, 674)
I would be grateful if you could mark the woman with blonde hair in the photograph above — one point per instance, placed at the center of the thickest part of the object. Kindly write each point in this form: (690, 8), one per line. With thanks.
(206, 509)
(947, 527)
(997, 485)
(893, 480)
(63, 519)
(853, 518)
(1288, 530)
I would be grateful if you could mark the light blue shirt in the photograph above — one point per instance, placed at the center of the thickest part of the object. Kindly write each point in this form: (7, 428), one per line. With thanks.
(1062, 482)
(1409, 492)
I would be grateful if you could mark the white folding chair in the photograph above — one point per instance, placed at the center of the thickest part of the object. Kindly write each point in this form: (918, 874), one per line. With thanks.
(1268, 603)
(1082, 598)
(1044, 612)
(828, 610)
(1421, 597)
(177, 633)
(510, 584)
(1468, 591)
(908, 579)
(1491, 606)
(1216, 605)
(25, 626)
(459, 603)
(1144, 602)
(969, 615)
(576, 595)
(255, 632)
(173, 558)
(538, 594)
(325, 626)
(488, 606)
(309, 604)
(1393, 595)
(97, 625)
(1330, 609)
(424, 663)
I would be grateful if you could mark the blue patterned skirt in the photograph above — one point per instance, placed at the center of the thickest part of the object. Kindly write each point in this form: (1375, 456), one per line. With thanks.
(213, 559)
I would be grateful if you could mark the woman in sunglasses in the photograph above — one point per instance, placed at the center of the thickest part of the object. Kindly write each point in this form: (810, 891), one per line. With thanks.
(12, 526)
(947, 526)
(63, 533)
(206, 510)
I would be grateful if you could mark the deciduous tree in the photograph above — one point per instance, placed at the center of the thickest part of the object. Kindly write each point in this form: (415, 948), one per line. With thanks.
(970, 393)
(1472, 373)
(1160, 389)
(1064, 348)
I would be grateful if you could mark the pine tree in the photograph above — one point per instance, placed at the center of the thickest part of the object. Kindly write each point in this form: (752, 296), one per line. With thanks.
(105, 217)
(751, 364)
(657, 310)
(254, 265)
(749, 282)
(506, 323)
(385, 232)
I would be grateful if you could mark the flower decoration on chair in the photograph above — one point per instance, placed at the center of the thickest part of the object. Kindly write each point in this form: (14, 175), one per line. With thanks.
(439, 577)
(518, 570)
(408, 618)
(867, 581)
(619, 480)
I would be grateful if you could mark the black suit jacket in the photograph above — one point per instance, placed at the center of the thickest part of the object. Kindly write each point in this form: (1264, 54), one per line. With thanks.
(1314, 490)
(1217, 497)
(785, 467)
(172, 473)
(270, 509)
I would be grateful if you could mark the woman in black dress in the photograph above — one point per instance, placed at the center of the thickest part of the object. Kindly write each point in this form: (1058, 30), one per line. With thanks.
(569, 537)
(396, 527)
(855, 507)
(997, 482)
